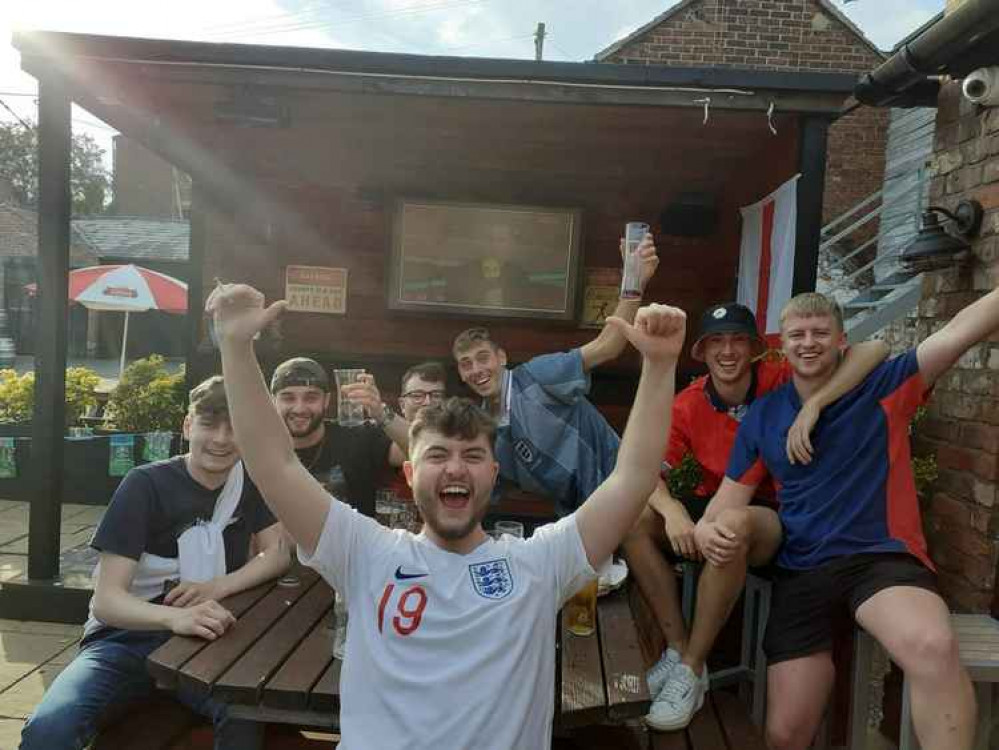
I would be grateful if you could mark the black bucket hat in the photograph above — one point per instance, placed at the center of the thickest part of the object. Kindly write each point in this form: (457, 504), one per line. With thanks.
(728, 318)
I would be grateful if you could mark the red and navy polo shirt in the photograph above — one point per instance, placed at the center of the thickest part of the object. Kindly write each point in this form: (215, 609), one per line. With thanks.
(858, 494)
(705, 426)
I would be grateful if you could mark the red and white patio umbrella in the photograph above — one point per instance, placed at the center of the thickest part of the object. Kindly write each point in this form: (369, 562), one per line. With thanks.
(126, 289)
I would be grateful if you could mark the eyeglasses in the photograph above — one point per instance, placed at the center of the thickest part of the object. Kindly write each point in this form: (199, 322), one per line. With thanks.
(420, 396)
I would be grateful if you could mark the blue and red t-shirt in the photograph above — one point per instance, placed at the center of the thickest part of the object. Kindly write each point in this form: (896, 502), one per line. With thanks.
(858, 494)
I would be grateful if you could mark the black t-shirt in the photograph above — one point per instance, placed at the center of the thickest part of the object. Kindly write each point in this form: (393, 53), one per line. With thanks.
(157, 502)
(349, 462)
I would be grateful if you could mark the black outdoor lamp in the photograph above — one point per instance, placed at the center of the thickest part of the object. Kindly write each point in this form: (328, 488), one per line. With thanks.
(934, 249)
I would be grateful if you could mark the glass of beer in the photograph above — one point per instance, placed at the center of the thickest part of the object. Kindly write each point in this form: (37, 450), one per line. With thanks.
(631, 286)
(349, 413)
(580, 613)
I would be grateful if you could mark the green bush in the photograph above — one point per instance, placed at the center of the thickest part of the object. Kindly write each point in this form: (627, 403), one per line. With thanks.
(147, 398)
(924, 468)
(17, 394)
(683, 479)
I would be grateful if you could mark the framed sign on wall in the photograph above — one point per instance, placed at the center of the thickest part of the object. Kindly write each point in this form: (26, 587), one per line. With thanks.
(484, 259)
(316, 289)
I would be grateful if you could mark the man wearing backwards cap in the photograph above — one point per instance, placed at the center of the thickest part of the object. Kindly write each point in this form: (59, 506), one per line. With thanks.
(706, 416)
(347, 460)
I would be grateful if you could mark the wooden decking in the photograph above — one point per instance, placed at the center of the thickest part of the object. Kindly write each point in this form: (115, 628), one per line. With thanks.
(723, 724)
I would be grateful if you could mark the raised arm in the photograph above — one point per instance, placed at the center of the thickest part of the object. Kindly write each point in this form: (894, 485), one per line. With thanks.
(615, 505)
(858, 363)
(366, 393)
(298, 500)
(972, 324)
(610, 342)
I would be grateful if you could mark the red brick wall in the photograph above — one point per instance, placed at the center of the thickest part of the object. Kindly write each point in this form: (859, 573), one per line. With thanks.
(789, 35)
(961, 516)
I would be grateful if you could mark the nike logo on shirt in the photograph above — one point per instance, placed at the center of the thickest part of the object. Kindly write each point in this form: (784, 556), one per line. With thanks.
(400, 576)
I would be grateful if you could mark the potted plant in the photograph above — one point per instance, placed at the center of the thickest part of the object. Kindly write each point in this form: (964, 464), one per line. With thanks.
(149, 401)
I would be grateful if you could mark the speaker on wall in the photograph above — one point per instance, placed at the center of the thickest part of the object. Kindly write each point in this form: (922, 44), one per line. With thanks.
(690, 215)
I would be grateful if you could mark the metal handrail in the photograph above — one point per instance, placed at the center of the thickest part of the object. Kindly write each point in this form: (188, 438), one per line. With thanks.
(840, 261)
(851, 211)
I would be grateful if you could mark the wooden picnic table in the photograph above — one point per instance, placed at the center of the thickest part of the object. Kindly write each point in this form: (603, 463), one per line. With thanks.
(276, 662)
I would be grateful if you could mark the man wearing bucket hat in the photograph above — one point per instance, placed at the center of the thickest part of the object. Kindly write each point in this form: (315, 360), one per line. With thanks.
(348, 461)
(705, 418)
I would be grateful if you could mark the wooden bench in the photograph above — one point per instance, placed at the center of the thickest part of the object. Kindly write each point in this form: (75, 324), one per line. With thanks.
(978, 644)
(602, 676)
(155, 724)
(602, 688)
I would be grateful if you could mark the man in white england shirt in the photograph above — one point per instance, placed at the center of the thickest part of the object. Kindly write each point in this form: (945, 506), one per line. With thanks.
(452, 634)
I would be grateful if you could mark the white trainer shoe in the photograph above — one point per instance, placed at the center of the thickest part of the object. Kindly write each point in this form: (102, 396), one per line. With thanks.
(681, 697)
(659, 674)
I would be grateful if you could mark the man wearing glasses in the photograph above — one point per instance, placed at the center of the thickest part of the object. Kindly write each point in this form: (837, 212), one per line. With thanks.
(422, 385)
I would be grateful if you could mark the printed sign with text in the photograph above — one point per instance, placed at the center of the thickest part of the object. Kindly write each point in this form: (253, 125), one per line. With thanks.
(316, 289)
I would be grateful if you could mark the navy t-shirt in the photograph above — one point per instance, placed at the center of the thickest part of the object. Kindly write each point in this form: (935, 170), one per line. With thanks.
(157, 502)
(858, 494)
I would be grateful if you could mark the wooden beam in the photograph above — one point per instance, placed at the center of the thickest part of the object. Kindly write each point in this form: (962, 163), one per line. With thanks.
(195, 280)
(812, 165)
(49, 422)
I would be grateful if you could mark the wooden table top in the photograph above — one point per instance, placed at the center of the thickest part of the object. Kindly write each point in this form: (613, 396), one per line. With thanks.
(276, 662)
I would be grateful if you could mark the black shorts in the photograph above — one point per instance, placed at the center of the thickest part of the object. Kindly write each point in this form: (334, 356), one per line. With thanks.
(805, 603)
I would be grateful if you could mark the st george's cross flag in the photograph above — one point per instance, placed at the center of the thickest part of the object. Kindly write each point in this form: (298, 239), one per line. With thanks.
(766, 257)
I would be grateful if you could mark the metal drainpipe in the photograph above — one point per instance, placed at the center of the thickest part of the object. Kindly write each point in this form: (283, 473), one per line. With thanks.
(929, 53)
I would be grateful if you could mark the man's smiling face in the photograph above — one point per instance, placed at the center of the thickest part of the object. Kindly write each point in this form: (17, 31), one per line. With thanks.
(452, 480)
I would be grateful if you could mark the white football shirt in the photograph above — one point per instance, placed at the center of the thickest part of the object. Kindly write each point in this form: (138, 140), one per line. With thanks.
(447, 650)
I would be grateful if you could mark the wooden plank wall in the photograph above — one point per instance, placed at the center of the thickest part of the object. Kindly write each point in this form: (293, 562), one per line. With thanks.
(321, 193)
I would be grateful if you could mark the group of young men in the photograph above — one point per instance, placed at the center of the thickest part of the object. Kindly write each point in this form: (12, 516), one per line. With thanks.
(451, 639)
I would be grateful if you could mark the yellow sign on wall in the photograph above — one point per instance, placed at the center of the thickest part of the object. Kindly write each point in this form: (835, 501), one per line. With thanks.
(316, 289)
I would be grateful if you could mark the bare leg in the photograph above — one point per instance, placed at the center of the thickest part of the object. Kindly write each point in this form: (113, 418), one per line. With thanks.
(797, 693)
(913, 624)
(719, 587)
(643, 549)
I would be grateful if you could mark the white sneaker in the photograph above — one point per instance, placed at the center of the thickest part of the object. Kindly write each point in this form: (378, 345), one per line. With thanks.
(659, 674)
(681, 697)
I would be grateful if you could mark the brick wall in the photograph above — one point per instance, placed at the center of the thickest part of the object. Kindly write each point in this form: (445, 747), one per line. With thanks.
(961, 516)
(785, 35)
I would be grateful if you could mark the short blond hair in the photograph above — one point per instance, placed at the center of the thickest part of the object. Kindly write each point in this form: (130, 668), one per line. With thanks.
(811, 304)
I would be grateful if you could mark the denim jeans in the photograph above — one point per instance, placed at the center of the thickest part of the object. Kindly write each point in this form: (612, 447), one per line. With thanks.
(106, 676)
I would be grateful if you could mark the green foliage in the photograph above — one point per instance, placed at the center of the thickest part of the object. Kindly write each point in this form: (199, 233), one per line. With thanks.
(924, 471)
(147, 398)
(17, 394)
(924, 468)
(89, 180)
(683, 479)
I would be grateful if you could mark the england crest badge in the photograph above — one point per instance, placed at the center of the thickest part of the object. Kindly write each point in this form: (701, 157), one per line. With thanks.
(491, 579)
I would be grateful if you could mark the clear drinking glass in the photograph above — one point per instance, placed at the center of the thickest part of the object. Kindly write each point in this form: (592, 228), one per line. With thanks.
(385, 507)
(339, 627)
(513, 528)
(634, 233)
(348, 413)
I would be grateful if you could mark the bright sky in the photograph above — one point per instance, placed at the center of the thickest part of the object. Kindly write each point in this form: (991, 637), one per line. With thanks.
(577, 29)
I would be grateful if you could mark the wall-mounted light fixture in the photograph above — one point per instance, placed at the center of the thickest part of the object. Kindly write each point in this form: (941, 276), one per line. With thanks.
(933, 248)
